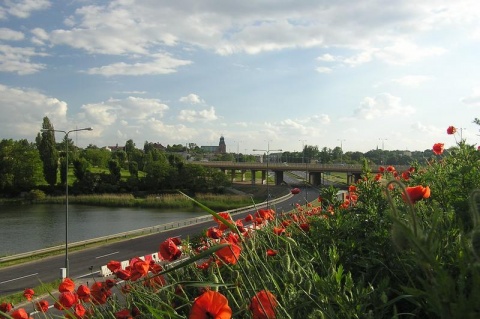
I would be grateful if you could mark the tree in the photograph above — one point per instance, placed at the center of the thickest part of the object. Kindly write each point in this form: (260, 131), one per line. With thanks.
(48, 152)
(115, 171)
(80, 169)
(133, 169)
(20, 166)
(129, 148)
(97, 157)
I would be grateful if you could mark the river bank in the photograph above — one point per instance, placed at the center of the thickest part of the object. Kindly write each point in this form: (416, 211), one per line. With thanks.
(238, 195)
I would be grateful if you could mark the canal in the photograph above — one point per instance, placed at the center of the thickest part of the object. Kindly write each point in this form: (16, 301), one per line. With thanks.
(30, 227)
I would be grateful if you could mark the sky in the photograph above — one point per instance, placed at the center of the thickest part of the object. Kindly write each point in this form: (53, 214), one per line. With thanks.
(268, 75)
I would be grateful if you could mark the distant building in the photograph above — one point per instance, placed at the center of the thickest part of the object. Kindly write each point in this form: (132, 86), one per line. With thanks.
(221, 148)
(159, 146)
(115, 148)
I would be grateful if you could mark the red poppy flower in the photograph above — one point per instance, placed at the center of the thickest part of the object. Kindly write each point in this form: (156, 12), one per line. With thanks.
(42, 306)
(28, 293)
(214, 233)
(6, 307)
(66, 300)
(271, 252)
(20, 314)
(83, 293)
(66, 285)
(225, 216)
(416, 193)
(169, 250)
(295, 191)
(381, 169)
(229, 254)
(438, 148)
(352, 188)
(267, 214)
(123, 314)
(210, 304)
(451, 130)
(263, 305)
(140, 269)
(80, 310)
(248, 218)
(114, 266)
(305, 227)
(123, 274)
(100, 292)
(155, 282)
(126, 288)
(278, 230)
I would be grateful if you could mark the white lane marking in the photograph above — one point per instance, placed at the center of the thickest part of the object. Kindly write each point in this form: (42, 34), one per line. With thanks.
(107, 255)
(3, 282)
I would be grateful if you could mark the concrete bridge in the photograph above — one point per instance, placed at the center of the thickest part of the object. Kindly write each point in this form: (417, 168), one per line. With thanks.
(314, 171)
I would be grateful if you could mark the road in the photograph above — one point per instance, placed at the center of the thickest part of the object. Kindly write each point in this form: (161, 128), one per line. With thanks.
(86, 263)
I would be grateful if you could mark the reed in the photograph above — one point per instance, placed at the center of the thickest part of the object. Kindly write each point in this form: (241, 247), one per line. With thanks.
(176, 201)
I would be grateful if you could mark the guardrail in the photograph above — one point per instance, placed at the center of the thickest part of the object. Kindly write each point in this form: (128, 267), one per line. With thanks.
(139, 232)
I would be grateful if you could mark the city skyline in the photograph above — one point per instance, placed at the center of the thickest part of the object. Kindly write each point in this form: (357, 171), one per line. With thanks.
(360, 75)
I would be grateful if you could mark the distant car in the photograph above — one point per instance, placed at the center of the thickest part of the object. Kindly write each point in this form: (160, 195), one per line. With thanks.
(295, 190)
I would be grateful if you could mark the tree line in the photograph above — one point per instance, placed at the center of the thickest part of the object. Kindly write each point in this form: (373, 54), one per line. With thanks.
(42, 165)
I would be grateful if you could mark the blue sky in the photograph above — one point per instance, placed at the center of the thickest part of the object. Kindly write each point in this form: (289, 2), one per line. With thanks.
(264, 74)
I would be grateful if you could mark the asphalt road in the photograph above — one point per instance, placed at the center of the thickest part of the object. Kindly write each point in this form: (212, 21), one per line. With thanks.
(86, 263)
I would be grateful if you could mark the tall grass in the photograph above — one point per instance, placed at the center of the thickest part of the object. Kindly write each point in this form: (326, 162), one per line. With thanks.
(174, 201)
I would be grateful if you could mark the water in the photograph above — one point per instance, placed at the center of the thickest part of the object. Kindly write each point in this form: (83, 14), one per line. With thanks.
(31, 227)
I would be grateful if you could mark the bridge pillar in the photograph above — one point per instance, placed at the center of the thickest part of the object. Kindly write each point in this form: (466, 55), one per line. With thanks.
(242, 172)
(315, 178)
(352, 178)
(253, 172)
(278, 177)
(264, 177)
(232, 172)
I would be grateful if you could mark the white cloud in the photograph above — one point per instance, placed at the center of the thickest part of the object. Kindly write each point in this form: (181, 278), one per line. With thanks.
(18, 60)
(412, 80)
(405, 51)
(24, 110)
(326, 58)
(162, 64)
(191, 99)
(473, 99)
(11, 35)
(382, 105)
(40, 36)
(194, 116)
(23, 8)
(133, 110)
(323, 69)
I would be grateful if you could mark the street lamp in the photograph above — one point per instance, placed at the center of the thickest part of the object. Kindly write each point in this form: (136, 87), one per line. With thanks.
(306, 169)
(341, 149)
(268, 150)
(66, 188)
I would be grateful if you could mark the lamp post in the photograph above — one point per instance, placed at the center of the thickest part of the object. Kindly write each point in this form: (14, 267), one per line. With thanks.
(66, 188)
(306, 169)
(268, 150)
(341, 149)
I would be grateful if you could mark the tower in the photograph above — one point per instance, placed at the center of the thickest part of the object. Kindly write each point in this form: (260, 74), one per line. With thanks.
(222, 147)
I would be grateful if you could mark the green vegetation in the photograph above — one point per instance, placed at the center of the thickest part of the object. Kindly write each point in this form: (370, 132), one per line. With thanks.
(175, 201)
(400, 244)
